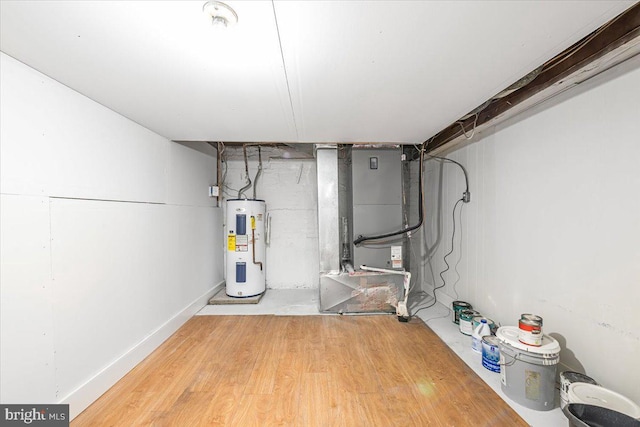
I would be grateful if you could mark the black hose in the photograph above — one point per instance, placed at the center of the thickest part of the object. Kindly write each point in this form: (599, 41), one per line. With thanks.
(361, 239)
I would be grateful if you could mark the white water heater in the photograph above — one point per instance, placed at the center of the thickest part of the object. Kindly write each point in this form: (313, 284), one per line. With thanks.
(245, 232)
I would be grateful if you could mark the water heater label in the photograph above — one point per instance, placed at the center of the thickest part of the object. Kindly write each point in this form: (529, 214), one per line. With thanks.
(231, 242)
(242, 243)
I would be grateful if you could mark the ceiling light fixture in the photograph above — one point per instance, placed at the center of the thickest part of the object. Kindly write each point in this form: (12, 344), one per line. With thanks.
(221, 15)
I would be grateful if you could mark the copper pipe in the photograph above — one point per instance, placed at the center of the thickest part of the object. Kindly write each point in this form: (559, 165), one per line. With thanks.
(253, 243)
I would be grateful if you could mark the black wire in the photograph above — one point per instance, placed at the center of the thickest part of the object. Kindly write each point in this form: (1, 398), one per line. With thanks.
(361, 239)
(466, 178)
(453, 235)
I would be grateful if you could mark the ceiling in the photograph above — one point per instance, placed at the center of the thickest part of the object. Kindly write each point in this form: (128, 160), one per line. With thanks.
(294, 71)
